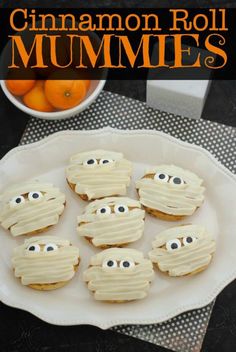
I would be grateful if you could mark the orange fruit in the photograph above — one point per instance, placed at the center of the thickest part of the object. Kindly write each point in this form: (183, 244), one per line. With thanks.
(19, 87)
(36, 99)
(65, 94)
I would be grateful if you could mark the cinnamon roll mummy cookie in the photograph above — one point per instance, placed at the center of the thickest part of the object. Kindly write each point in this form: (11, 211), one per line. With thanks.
(112, 222)
(30, 207)
(46, 262)
(170, 192)
(99, 173)
(183, 250)
(119, 275)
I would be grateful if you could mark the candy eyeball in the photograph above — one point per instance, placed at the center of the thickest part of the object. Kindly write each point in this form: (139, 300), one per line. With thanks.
(105, 161)
(175, 180)
(105, 210)
(110, 263)
(90, 162)
(189, 240)
(14, 202)
(126, 264)
(50, 247)
(161, 177)
(35, 196)
(173, 245)
(33, 248)
(121, 209)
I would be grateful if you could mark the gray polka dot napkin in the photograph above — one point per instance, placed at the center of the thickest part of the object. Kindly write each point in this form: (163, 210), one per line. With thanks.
(185, 332)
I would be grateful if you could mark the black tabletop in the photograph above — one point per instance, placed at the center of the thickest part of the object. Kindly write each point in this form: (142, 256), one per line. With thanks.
(21, 331)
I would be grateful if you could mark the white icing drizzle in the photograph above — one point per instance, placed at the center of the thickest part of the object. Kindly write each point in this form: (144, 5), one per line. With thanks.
(98, 181)
(112, 229)
(119, 283)
(189, 257)
(174, 199)
(31, 215)
(45, 267)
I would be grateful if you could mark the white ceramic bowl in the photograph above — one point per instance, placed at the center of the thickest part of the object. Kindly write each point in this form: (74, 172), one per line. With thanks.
(95, 88)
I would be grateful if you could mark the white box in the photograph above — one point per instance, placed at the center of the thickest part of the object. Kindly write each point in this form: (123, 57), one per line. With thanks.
(181, 97)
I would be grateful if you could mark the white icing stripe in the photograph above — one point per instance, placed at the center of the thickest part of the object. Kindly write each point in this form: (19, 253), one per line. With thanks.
(167, 209)
(100, 191)
(112, 229)
(186, 259)
(173, 199)
(31, 215)
(182, 195)
(117, 283)
(45, 267)
(98, 180)
(111, 178)
(177, 201)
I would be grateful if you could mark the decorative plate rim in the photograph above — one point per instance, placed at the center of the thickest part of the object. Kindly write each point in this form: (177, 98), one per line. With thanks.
(114, 322)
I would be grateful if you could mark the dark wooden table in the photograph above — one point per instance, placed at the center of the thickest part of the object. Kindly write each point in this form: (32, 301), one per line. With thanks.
(21, 331)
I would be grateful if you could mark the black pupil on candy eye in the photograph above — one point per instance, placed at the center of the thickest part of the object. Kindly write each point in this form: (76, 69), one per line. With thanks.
(90, 161)
(32, 248)
(103, 210)
(35, 195)
(121, 209)
(49, 248)
(105, 161)
(174, 246)
(189, 239)
(110, 263)
(177, 180)
(126, 264)
(162, 176)
(18, 200)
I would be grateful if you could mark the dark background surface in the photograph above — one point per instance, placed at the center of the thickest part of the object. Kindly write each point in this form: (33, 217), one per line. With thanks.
(22, 332)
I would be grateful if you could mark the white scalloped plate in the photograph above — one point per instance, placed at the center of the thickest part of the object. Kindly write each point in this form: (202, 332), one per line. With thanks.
(73, 304)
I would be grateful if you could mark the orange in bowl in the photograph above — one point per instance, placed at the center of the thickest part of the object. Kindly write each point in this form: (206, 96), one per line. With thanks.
(36, 98)
(65, 94)
(19, 87)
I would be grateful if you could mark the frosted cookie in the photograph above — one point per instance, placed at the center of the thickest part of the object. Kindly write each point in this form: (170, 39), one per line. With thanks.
(112, 222)
(45, 262)
(30, 207)
(99, 173)
(183, 250)
(119, 275)
(170, 192)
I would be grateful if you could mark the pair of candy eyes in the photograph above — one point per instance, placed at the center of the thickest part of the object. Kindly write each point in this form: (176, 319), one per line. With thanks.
(174, 180)
(123, 264)
(35, 248)
(172, 245)
(92, 162)
(118, 209)
(32, 197)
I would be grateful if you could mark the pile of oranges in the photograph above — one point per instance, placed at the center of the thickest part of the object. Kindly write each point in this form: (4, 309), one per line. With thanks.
(49, 95)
